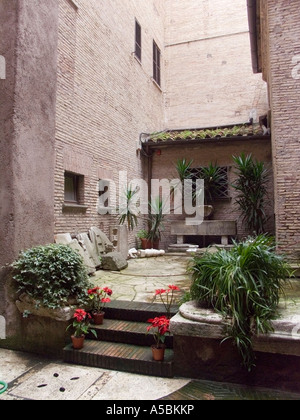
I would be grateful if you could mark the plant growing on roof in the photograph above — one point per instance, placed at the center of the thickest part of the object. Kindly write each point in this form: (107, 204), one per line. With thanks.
(243, 284)
(251, 186)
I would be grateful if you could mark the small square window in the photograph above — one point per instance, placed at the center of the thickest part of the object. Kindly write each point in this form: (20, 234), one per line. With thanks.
(156, 64)
(138, 41)
(73, 186)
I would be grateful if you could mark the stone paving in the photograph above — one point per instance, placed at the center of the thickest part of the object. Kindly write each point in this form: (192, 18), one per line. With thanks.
(143, 276)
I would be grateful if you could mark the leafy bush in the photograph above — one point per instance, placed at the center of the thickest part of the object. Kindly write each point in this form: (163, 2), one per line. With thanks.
(244, 284)
(52, 275)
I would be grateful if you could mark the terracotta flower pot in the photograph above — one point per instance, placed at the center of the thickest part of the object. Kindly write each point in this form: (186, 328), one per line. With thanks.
(158, 353)
(98, 318)
(78, 342)
(148, 244)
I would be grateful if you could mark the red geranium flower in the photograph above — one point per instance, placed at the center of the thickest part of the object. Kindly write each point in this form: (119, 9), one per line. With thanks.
(172, 287)
(99, 296)
(167, 297)
(160, 292)
(162, 324)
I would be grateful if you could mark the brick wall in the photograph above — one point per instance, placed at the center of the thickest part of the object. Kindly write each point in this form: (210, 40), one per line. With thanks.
(209, 76)
(283, 44)
(105, 98)
(221, 154)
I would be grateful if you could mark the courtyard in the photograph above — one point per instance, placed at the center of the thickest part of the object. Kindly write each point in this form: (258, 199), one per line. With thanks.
(37, 378)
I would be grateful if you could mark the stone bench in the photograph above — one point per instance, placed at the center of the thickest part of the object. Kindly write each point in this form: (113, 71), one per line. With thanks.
(223, 228)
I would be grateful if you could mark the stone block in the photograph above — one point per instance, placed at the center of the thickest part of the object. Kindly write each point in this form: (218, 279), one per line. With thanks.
(114, 261)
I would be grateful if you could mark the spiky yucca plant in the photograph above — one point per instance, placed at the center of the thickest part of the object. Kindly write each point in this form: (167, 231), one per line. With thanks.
(251, 187)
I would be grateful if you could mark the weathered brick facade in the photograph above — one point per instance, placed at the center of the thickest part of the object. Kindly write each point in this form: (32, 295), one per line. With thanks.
(279, 32)
(209, 79)
(106, 98)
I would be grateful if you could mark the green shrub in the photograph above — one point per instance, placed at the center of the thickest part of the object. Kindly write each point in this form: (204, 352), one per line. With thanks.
(244, 284)
(52, 275)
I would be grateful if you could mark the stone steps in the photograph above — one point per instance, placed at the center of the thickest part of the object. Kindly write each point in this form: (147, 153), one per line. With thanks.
(127, 332)
(122, 342)
(122, 357)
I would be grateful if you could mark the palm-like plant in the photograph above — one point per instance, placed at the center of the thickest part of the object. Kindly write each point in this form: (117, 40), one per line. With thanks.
(128, 209)
(251, 185)
(244, 284)
(183, 168)
(155, 219)
(214, 181)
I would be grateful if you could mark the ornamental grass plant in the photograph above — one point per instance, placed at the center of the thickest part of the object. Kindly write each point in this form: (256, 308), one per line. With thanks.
(243, 284)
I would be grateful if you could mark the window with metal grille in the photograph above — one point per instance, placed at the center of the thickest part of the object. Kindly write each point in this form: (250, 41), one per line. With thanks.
(138, 41)
(156, 64)
(216, 182)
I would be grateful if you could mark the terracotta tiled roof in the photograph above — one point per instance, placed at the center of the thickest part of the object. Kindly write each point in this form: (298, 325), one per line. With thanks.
(207, 133)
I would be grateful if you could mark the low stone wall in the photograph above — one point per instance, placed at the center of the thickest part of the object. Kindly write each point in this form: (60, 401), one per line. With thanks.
(199, 353)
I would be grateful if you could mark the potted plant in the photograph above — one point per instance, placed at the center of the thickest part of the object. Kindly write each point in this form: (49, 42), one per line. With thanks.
(213, 178)
(160, 326)
(100, 297)
(168, 297)
(155, 221)
(81, 326)
(143, 236)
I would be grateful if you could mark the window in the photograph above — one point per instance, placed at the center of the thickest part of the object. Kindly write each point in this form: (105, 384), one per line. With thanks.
(138, 41)
(73, 188)
(216, 180)
(156, 63)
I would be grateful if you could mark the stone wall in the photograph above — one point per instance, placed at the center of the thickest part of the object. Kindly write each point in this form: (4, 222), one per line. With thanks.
(28, 42)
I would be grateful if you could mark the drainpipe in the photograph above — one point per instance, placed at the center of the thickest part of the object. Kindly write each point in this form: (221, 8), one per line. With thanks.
(252, 18)
(150, 166)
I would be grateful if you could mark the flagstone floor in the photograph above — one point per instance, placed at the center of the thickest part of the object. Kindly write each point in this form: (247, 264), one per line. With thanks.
(143, 276)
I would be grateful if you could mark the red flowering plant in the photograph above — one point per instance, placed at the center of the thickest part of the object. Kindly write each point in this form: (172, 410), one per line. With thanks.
(168, 297)
(100, 297)
(161, 326)
(81, 323)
